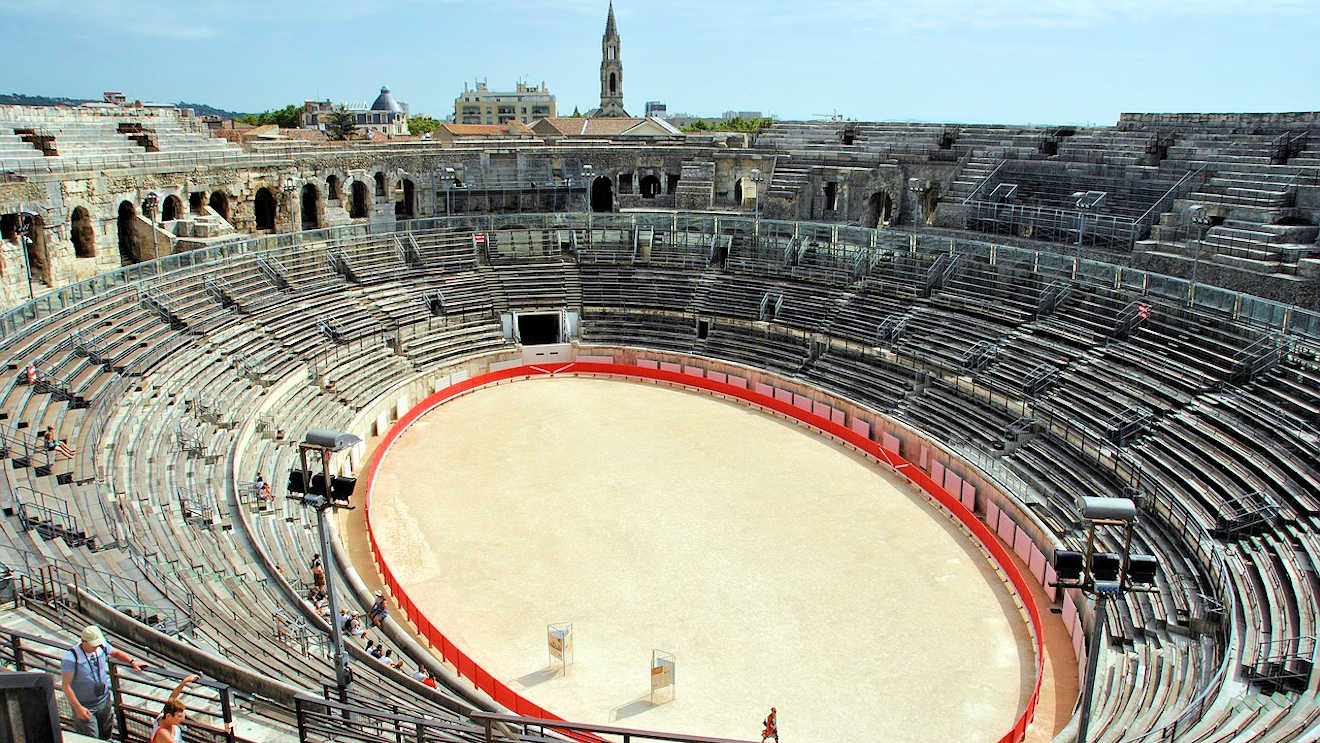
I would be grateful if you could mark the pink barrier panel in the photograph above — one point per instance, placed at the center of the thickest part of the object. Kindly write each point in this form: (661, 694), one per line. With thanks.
(510, 699)
(738, 382)
(596, 359)
(1037, 564)
(952, 482)
(1022, 544)
(936, 470)
(838, 417)
(992, 514)
(925, 458)
(694, 371)
(969, 496)
(1007, 527)
(783, 396)
(1050, 577)
(862, 428)
(821, 409)
(764, 389)
(890, 442)
(648, 363)
(804, 402)
(717, 376)
(670, 367)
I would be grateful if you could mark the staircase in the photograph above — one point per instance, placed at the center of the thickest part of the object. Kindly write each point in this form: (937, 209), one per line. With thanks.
(696, 185)
(788, 179)
(977, 169)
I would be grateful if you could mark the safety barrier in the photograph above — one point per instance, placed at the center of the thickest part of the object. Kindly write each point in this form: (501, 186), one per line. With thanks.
(834, 428)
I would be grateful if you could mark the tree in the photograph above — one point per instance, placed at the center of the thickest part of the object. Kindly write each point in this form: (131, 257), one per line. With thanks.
(422, 125)
(289, 117)
(340, 124)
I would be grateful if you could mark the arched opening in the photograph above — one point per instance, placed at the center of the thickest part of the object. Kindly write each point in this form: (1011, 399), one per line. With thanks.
(195, 201)
(744, 191)
(170, 208)
(332, 188)
(880, 209)
(831, 196)
(27, 231)
(264, 209)
(360, 205)
(738, 191)
(310, 207)
(602, 195)
(405, 200)
(219, 203)
(127, 225)
(614, 83)
(380, 184)
(649, 186)
(82, 234)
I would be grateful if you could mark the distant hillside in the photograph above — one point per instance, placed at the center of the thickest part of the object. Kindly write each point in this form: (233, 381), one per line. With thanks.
(21, 99)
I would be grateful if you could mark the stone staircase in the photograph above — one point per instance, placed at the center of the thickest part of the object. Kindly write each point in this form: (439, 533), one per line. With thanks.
(788, 179)
(977, 169)
(696, 185)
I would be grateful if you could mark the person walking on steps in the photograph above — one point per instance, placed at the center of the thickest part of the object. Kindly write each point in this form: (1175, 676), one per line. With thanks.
(771, 729)
(85, 678)
(171, 716)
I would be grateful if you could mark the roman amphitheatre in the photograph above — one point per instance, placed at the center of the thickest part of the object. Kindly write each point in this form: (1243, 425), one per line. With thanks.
(646, 434)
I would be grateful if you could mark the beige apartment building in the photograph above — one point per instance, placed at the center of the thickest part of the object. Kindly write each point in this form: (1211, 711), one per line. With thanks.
(483, 106)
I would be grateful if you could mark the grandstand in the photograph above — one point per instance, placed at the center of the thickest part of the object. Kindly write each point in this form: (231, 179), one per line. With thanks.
(1028, 315)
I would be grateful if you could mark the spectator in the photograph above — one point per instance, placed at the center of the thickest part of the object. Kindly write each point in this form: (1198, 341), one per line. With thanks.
(424, 676)
(171, 716)
(378, 612)
(56, 445)
(33, 374)
(262, 489)
(318, 572)
(85, 678)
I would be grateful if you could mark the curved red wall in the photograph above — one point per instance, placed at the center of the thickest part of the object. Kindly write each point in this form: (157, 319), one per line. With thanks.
(503, 694)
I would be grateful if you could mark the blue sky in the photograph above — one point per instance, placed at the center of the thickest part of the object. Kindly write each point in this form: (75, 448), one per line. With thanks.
(994, 61)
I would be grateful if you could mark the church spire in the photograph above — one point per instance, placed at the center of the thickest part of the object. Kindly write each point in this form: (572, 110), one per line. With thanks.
(611, 71)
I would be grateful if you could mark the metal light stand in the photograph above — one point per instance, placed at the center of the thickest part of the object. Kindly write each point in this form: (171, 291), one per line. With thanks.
(149, 204)
(1200, 217)
(1096, 574)
(295, 219)
(24, 232)
(322, 503)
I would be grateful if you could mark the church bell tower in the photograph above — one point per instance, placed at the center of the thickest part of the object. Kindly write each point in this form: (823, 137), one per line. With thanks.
(611, 71)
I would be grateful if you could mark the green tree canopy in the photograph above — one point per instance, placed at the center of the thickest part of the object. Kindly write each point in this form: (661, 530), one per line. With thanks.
(422, 125)
(340, 124)
(736, 124)
(289, 117)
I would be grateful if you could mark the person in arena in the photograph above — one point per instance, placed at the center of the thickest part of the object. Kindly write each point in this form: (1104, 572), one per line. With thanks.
(771, 729)
(85, 679)
(56, 445)
(378, 612)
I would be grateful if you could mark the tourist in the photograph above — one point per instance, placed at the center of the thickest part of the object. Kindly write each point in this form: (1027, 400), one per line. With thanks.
(53, 444)
(85, 678)
(378, 612)
(171, 716)
(771, 729)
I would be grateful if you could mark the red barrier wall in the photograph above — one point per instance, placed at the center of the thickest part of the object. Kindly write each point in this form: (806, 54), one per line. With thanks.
(515, 702)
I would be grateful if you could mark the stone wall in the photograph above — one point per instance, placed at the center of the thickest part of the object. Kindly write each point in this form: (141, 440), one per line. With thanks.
(1243, 121)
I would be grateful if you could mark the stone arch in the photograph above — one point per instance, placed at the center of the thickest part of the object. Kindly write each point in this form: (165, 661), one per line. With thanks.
(126, 222)
(171, 208)
(311, 198)
(219, 203)
(405, 199)
(82, 234)
(360, 208)
(380, 184)
(649, 186)
(602, 195)
(744, 191)
(332, 187)
(263, 209)
(881, 209)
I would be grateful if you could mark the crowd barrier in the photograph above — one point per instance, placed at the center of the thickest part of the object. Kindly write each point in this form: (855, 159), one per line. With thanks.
(828, 424)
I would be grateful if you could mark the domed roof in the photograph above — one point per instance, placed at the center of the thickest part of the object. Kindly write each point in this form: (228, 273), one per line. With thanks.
(386, 102)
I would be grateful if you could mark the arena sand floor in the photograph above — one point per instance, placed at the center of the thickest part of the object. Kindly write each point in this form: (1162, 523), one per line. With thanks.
(778, 567)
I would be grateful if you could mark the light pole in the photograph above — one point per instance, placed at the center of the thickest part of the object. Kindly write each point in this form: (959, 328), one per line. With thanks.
(1086, 200)
(447, 178)
(322, 491)
(24, 231)
(586, 188)
(289, 186)
(918, 188)
(149, 204)
(1103, 575)
(756, 179)
(1200, 217)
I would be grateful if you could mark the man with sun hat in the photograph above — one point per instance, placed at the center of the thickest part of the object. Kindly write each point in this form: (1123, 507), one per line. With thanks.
(85, 674)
